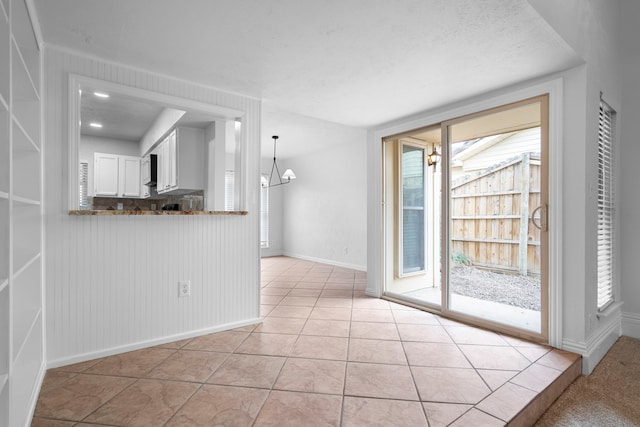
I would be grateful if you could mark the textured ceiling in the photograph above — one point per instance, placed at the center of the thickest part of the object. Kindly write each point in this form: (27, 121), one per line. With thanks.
(355, 62)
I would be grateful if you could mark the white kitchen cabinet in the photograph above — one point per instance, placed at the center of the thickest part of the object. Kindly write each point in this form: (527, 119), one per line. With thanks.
(145, 193)
(181, 162)
(167, 169)
(116, 176)
(105, 174)
(129, 176)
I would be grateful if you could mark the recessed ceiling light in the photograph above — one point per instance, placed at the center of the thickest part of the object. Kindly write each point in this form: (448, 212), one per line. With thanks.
(101, 94)
(95, 125)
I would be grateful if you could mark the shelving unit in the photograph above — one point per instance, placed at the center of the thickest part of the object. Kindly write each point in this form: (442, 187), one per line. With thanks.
(21, 215)
(5, 180)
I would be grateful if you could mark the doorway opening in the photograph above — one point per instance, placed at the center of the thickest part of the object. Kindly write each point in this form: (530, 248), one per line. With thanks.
(466, 218)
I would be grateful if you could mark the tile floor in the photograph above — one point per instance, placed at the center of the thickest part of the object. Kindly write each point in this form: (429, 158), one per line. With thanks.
(325, 354)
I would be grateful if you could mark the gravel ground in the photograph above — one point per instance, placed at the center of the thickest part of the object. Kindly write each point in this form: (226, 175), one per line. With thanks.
(511, 289)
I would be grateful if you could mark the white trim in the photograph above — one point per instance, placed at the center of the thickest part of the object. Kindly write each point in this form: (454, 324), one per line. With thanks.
(631, 325)
(399, 210)
(80, 53)
(64, 361)
(597, 345)
(325, 261)
(554, 87)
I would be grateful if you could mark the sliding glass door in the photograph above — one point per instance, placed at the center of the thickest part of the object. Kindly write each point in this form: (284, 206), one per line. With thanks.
(486, 261)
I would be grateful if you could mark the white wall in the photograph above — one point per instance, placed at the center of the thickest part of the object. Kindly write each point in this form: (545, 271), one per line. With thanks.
(592, 29)
(111, 282)
(276, 244)
(629, 154)
(325, 215)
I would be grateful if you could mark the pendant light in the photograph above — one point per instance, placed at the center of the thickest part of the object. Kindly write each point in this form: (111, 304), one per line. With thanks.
(286, 177)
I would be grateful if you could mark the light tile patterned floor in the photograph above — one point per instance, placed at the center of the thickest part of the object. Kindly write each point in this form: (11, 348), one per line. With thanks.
(325, 355)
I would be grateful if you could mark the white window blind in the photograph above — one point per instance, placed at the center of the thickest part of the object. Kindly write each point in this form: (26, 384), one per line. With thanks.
(264, 213)
(229, 184)
(83, 178)
(606, 206)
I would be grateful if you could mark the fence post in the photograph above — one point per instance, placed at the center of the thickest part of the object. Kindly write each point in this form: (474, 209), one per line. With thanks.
(524, 214)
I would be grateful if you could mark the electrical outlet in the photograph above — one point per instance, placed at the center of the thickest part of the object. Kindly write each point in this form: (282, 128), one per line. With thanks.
(184, 289)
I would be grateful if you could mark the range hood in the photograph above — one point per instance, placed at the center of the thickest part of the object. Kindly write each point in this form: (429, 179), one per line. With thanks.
(150, 170)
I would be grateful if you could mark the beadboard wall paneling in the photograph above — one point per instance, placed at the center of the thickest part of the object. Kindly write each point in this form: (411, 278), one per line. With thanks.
(112, 282)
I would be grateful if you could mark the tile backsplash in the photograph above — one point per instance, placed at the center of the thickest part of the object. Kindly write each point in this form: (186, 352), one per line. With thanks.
(186, 202)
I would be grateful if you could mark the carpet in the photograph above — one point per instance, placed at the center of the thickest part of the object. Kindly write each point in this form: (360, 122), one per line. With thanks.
(610, 396)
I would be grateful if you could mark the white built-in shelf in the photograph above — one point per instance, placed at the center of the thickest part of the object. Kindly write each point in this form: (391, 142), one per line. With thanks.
(26, 116)
(25, 201)
(23, 320)
(4, 10)
(27, 228)
(24, 88)
(4, 65)
(26, 266)
(3, 381)
(21, 313)
(25, 36)
(23, 140)
(26, 166)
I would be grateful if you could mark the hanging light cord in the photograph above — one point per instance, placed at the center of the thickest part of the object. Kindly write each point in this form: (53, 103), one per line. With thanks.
(274, 166)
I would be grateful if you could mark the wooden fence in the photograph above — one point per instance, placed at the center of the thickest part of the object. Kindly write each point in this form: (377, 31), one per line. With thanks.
(491, 214)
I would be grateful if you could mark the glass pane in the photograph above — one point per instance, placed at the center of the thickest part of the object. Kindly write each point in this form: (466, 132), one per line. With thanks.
(413, 240)
(413, 188)
(412, 176)
(495, 186)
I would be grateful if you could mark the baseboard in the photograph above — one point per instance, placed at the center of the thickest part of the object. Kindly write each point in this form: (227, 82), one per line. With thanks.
(149, 343)
(265, 253)
(326, 261)
(631, 325)
(597, 346)
(370, 293)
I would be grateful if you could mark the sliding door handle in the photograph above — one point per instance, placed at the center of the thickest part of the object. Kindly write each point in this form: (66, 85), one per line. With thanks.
(540, 222)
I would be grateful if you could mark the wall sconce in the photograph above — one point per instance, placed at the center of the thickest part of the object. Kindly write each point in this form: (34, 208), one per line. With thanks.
(433, 158)
(286, 177)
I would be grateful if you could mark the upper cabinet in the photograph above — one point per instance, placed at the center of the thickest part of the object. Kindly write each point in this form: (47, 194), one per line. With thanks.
(116, 176)
(129, 176)
(181, 161)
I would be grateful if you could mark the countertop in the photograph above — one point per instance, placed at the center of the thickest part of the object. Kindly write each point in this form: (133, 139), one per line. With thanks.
(156, 212)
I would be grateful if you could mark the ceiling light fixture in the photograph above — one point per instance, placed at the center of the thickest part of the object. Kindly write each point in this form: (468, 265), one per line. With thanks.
(286, 177)
(95, 125)
(101, 94)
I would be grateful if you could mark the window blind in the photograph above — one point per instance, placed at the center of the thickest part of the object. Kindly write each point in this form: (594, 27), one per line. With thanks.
(84, 185)
(606, 207)
(264, 214)
(229, 183)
